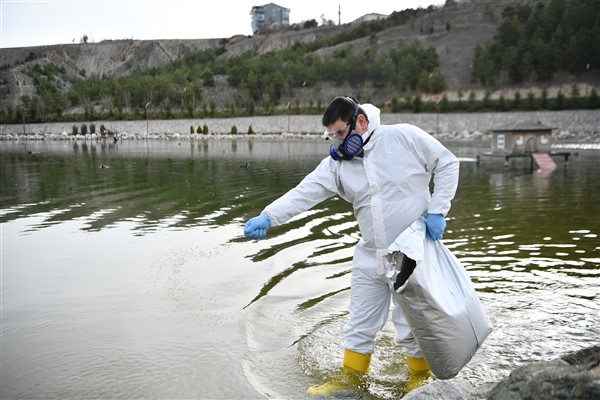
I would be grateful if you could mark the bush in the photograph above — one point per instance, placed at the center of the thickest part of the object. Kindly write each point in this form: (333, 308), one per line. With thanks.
(74, 130)
(417, 104)
(92, 129)
(593, 101)
(233, 129)
(250, 130)
(84, 129)
(396, 107)
(191, 129)
(205, 129)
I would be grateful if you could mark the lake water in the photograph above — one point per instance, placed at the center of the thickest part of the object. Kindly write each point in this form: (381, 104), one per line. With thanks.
(135, 281)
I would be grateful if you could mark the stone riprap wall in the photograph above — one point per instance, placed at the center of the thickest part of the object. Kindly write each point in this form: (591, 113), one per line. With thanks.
(576, 126)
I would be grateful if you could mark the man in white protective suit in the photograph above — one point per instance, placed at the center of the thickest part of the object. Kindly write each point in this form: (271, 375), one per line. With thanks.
(385, 172)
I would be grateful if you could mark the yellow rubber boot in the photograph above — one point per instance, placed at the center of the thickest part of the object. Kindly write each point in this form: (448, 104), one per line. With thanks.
(418, 372)
(349, 378)
(357, 362)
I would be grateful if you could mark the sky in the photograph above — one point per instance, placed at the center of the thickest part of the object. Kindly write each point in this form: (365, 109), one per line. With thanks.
(26, 23)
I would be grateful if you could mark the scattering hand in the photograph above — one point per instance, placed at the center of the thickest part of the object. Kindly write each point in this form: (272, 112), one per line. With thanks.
(256, 228)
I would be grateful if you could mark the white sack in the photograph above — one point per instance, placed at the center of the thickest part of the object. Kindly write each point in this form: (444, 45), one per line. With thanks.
(439, 302)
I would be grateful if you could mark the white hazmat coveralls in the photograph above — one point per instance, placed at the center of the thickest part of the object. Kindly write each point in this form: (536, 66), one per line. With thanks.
(389, 189)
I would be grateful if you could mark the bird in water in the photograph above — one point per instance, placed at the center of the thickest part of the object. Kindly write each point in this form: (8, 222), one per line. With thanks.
(104, 166)
(245, 166)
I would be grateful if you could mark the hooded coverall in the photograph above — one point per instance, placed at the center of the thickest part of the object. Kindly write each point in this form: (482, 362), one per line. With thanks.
(389, 189)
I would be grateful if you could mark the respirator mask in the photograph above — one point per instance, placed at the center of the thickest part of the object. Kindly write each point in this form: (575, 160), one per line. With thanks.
(350, 146)
(347, 148)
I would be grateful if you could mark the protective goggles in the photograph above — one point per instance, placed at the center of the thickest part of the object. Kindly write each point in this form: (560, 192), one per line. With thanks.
(339, 134)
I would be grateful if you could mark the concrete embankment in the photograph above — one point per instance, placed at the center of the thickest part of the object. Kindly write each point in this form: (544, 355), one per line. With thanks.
(581, 126)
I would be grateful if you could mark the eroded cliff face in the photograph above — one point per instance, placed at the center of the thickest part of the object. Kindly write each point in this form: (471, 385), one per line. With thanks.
(108, 58)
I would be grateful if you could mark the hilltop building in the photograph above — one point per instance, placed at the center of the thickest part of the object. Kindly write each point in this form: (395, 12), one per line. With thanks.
(369, 17)
(269, 17)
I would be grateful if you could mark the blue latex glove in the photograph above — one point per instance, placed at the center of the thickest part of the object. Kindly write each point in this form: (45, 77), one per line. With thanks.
(256, 228)
(436, 223)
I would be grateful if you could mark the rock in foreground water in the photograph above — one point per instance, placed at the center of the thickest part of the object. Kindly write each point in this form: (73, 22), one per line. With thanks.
(575, 376)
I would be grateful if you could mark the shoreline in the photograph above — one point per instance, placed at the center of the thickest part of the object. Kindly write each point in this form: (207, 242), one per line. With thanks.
(574, 141)
(470, 138)
(568, 126)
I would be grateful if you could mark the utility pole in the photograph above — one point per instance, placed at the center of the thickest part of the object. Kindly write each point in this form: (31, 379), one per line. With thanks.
(289, 104)
(339, 14)
(146, 107)
(24, 137)
(587, 83)
(147, 144)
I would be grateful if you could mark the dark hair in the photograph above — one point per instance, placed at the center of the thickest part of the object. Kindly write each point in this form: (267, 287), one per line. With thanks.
(342, 108)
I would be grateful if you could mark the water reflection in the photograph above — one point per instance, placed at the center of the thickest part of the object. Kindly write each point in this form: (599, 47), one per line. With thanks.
(142, 267)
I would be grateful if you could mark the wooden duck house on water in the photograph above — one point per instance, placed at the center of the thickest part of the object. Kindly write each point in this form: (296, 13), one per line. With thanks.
(521, 138)
(525, 140)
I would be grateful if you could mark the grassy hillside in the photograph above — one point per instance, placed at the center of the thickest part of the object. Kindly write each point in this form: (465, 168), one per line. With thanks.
(447, 58)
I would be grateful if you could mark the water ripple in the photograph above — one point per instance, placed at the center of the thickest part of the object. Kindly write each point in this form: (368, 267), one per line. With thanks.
(136, 281)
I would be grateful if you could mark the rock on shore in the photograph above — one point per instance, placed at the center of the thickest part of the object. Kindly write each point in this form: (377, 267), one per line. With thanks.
(574, 376)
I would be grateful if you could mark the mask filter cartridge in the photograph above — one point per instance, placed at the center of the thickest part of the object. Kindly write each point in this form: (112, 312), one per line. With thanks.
(347, 149)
